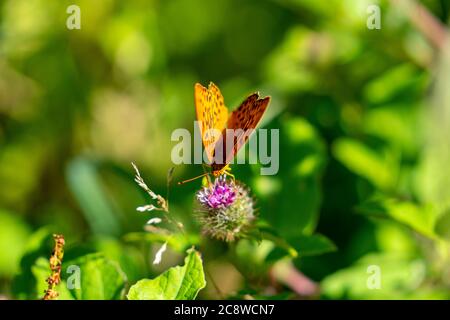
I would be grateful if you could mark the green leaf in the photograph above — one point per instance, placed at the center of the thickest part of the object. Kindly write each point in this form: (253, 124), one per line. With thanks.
(131, 260)
(366, 163)
(177, 283)
(419, 218)
(281, 248)
(312, 245)
(300, 246)
(100, 278)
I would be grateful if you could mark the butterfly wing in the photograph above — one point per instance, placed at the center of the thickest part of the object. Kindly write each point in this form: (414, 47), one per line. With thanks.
(245, 117)
(212, 115)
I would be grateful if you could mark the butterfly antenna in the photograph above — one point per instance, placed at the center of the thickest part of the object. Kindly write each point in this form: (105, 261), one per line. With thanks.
(192, 179)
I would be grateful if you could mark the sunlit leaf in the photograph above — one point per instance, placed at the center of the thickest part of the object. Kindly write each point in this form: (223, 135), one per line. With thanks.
(177, 283)
(300, 246)
(100, 278)
(419, 218)
(365, 162)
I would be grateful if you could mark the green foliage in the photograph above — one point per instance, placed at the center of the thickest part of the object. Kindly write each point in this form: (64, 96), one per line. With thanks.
(100, 278)
(364, 127)
(86, 187)
(177, 283)
(442, 226)
(29, 283)
(360, 159)
(293, 207)
(312, 245)
(40, 270)
(399, 277)
(391, 83)
(420, 219)
(13, 232)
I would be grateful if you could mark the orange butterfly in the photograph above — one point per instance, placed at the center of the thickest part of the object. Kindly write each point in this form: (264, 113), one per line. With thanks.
(212, 115)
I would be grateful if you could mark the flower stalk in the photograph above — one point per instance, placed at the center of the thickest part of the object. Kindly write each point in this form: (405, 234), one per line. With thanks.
(55, 266)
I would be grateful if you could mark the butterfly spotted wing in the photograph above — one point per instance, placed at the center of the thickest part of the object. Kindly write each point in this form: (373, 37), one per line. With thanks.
(212, 115)
(243, 120)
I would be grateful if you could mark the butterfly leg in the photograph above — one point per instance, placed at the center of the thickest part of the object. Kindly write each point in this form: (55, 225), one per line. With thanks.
(227, 171)
(231, 175)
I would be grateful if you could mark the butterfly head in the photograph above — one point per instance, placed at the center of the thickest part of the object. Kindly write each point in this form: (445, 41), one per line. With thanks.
(221, 170)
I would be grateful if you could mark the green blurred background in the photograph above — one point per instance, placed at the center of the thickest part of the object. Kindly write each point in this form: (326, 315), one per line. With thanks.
(364, 119)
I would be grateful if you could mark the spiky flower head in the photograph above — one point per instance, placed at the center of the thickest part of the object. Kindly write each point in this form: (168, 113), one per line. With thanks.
(225, 209)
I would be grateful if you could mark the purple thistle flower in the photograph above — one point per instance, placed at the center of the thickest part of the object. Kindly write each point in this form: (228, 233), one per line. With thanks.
(220, 195)
(226, 209)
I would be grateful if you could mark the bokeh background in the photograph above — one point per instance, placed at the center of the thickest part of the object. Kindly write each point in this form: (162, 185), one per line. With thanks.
(364, 119)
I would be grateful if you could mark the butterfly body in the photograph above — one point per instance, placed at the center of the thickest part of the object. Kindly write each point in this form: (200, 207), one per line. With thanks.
(218, 170)
(217, 128)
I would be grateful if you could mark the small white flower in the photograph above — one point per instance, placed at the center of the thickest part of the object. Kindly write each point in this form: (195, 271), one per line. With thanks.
(154, 221)
(158, 254)
(148, 207)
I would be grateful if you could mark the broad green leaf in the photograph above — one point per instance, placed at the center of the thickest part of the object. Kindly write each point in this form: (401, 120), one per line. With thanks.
(419, 218)
(177, 283)
(130, 259)
(312, 245)
(365, 162)
(100, 278)
(300, 246)
(280, 246)
(294, 247)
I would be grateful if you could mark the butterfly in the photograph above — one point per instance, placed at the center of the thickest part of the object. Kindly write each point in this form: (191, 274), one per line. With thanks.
(215, 125)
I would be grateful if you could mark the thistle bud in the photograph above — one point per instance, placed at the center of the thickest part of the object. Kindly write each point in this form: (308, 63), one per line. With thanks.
(225, 209)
